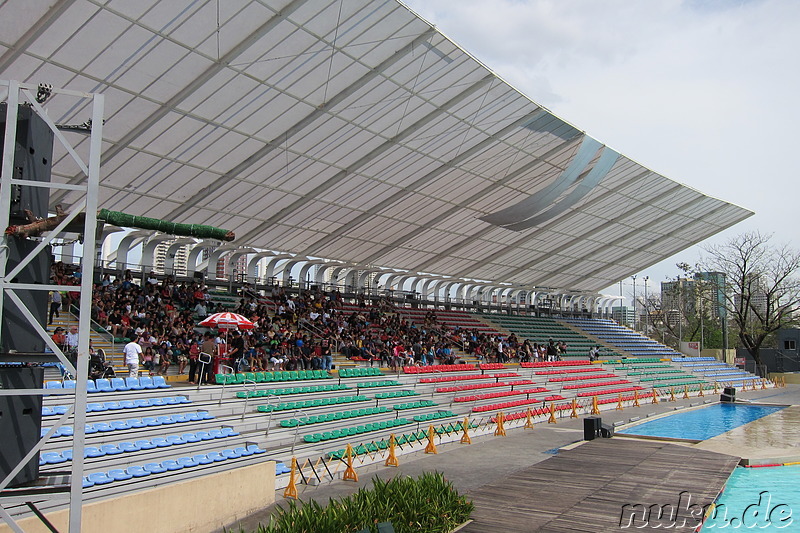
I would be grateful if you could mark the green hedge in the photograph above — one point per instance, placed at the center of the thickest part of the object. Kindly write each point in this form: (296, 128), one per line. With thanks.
(429, 503)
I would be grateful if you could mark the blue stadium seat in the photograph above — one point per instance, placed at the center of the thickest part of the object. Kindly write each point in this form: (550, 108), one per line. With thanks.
(255, 449)
(135, 423)
(110, 449)
(67, 454)
(205, 415)
(88, 429)
(142, 402)
(112, 406)
(133, 383)
(128, 447)
(175, 439)
(95, 407)
(171, 464)
(60, 409)
(187, 462)
(190, 437)
(104, 385)
(158, 402)
(91, 386)
(66, 431)
(119, 424)
(217, 434)
(192, 417)
(202, 459)
(183, 399)
(69, 384)
(165, 419)
(87, 483)
(228, 432)
(147, 382)
(154, 468)
(118, 474)
(230, 454)
(144, 444)
(47, 411)
(127, 404)
(53, 385)
(216, 456)
(179, 419)
(150, 421)
(93, 451)
(242, 451)
(137, 471)
(119, 384)
(161, 442)
(99, 478)
(204, 435)
(52, 458)
(170, 400)
(103, 427)
(160, 382)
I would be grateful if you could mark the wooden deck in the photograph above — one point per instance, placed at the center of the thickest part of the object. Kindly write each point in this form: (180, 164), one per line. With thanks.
(585, 489)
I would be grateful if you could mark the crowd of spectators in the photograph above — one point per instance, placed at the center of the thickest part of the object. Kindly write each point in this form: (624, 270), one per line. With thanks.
(291, 332)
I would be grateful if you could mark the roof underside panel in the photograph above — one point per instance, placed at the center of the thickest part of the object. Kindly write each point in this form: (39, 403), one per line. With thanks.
(351, 131)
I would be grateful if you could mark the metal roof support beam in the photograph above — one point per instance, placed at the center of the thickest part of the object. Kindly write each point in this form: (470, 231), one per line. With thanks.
(194, 255)
(252, 263)
(269, 270)
(149, 250)
(303, 277)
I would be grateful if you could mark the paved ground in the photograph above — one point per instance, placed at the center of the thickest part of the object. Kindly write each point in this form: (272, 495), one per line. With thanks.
(490, 459)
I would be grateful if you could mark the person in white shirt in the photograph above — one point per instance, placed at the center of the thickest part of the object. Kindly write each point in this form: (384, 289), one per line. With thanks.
(132, 353)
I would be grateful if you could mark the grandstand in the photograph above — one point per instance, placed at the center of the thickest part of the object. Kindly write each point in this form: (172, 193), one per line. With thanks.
(394, 201)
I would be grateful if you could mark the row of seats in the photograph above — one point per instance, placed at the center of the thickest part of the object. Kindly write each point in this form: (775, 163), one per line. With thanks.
(52, 458)
(132, 423)
(375, 384)
(437, 368)
(395, 394)
(113, 384)
(609, 391)
(356, 430)
(546, 364)
(681, 384)
(474, 386)
(444, 379)
(502, 394)
(330, 417)
(303, 390)
(269, 377)
(360, 372)
(504, 405)
(414, 405)
(491, 366)
(582, 377)
(97, 407)
(656, 372)
(567, 371)
(598, 384)
(168, 465)
(427, 417)
(642, 367)
(319, 402)
(680, 376)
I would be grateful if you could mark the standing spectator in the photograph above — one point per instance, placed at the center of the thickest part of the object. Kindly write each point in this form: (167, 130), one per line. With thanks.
(55, 305)
(132, 352)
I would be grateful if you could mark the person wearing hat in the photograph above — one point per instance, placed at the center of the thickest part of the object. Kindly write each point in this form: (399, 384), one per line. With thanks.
(60, 338)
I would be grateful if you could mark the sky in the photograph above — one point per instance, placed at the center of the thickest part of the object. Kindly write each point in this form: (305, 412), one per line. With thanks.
(703, 92)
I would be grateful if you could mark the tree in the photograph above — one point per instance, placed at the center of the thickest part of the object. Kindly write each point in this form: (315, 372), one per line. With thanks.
(762, 292)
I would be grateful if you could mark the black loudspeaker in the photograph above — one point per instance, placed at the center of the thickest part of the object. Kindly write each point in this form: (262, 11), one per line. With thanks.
(728, 395)
(16, 333)
(20, 422)
(33, 155)
(591, 427)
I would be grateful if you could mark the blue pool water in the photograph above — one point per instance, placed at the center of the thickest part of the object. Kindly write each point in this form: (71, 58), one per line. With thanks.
(759, 499)
(702, 424)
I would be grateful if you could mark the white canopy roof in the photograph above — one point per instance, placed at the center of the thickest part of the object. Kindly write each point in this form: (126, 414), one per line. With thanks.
(346, 129)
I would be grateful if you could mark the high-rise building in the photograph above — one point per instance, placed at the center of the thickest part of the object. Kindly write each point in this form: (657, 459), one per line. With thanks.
(180, 259)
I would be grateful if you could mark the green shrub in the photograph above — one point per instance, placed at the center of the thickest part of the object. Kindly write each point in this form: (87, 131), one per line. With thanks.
(429, 503)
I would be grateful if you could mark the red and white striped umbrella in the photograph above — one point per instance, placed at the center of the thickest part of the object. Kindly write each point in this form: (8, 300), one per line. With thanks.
(227, 321)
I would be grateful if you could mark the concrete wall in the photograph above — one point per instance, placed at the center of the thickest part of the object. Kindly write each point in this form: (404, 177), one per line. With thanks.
(199, 505)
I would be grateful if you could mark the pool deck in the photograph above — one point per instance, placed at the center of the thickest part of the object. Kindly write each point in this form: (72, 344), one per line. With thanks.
(774, 438)
(588, 488)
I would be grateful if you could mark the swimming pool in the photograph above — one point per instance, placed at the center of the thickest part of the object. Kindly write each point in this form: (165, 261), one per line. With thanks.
(702, 424)
(762, 499)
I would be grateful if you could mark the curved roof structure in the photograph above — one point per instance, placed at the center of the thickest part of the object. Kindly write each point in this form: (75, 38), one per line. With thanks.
(346, 129)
